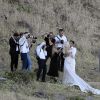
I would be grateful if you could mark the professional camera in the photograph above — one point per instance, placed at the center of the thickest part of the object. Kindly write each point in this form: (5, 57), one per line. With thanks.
(33, 38)
(62, 42)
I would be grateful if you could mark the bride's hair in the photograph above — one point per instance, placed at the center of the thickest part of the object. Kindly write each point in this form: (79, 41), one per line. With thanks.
(66, 48)
(73, 42)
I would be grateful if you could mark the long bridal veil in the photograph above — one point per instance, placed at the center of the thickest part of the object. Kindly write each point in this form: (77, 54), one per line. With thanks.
(71, 78)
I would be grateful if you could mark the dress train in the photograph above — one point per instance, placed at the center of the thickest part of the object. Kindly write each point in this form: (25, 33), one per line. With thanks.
(71, 78)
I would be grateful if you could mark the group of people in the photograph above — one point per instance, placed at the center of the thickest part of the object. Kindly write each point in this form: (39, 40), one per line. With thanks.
(51, 47)
(58, 49)
(21, 43)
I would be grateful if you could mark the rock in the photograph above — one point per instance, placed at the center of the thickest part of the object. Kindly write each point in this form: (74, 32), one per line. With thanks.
(40, 94)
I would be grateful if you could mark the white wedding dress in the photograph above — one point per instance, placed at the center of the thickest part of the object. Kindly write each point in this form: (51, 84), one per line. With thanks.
(71, 78)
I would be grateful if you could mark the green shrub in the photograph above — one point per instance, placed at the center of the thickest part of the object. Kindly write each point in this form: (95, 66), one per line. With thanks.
(76, 98)
(20, 77)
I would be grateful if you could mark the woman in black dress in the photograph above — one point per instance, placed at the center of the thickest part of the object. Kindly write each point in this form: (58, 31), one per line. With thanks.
(54, 63)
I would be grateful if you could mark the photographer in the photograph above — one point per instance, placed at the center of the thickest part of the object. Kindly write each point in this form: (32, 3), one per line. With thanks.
(49, 44)
(41, 57)
(31, 39)
(60, 41)
(24, 45)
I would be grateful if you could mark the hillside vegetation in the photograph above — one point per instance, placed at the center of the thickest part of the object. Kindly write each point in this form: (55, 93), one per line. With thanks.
(79, 18)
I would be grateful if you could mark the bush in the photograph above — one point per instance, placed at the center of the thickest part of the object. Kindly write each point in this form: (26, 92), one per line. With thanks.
(77, 98)
(20, 77)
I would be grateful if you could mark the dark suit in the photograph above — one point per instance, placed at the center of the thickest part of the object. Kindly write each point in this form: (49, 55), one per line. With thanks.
(13, 53)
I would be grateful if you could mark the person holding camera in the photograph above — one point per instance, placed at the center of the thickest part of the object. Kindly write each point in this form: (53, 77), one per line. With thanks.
(41, 57)
(31, 39)
(60, 41)
(54, 67)
(24, 50)
(49, 44)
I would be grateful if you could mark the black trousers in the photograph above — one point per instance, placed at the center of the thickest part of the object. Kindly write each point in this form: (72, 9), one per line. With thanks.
(49, 52)
(14, 61)
(42, 69)
(47, 57)
(61, 61)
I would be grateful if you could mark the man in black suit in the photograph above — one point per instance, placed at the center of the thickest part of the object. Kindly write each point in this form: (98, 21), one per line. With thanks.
(14, 51)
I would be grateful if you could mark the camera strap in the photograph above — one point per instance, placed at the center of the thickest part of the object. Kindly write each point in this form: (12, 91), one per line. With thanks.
(58, 38)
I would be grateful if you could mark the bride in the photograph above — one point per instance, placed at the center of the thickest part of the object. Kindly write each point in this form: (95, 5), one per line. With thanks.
(70, 77)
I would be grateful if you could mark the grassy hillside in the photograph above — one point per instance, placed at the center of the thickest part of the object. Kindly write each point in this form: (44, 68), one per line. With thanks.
(22, 86)
(79, 18)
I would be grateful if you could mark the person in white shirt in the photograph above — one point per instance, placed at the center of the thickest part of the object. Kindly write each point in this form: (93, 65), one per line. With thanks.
(41, 57)
(24, 50)
(23, 44)
(60, 41)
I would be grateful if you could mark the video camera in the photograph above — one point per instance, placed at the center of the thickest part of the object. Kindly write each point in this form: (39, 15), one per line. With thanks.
(31, 37)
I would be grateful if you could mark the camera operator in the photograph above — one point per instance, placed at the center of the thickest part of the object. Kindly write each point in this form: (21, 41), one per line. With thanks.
(49, 44)
(24, 50)
(60, 41)
(41, 59)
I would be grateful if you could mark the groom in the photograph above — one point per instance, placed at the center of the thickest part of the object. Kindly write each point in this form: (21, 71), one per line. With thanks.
(60, 40)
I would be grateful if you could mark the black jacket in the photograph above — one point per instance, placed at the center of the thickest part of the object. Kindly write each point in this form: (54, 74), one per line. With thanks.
(13, 44)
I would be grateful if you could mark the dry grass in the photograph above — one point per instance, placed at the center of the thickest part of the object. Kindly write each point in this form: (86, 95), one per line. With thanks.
(21, 85)
(17, 96)
(79, 18)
